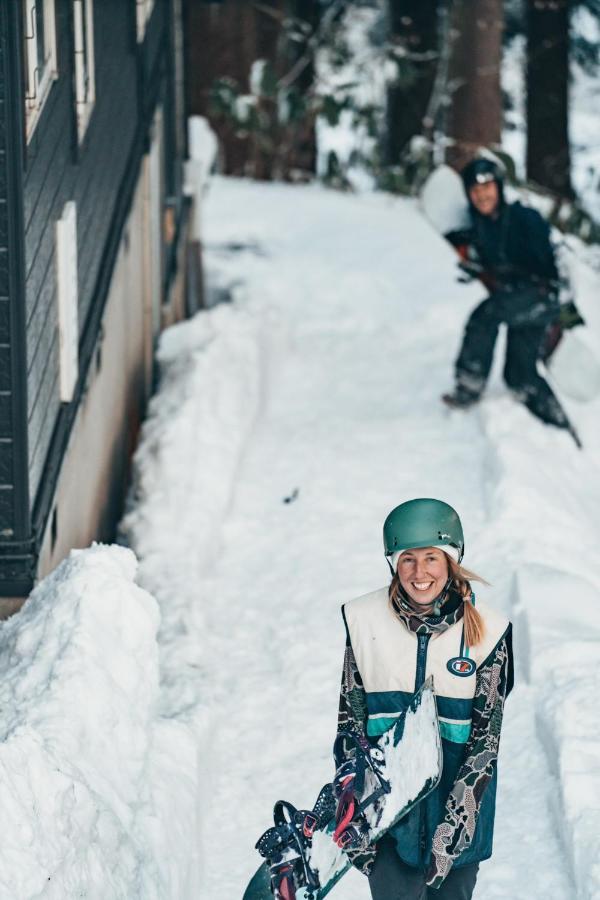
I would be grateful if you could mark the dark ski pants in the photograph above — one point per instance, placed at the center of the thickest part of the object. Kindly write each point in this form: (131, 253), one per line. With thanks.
(392, 879)
(527, 317)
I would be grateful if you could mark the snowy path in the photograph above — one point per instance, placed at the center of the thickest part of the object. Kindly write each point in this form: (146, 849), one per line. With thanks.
(362, 312)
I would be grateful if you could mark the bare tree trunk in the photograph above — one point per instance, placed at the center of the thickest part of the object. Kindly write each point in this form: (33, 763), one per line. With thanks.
(475, 102)
(414, 26)
(548, 151)
(303, 152)
(223, 40)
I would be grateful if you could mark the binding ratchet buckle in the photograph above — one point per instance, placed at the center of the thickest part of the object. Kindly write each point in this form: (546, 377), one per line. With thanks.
(310, 823)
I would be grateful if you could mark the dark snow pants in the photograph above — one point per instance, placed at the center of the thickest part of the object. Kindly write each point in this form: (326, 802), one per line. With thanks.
(391, 879)
(527, 315)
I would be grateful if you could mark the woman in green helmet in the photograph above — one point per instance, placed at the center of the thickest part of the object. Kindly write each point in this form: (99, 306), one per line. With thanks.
(428, 622)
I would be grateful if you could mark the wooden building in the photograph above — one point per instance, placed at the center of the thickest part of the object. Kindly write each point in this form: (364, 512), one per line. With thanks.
(93, 227)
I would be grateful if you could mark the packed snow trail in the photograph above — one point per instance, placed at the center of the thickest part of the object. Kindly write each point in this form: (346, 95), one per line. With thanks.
(287, 426)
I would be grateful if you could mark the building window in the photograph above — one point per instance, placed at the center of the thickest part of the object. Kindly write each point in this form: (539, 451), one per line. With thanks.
(85, 82)
(39, 29)
(144, 11)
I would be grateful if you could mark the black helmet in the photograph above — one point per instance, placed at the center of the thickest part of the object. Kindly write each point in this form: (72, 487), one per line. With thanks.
(480, 170)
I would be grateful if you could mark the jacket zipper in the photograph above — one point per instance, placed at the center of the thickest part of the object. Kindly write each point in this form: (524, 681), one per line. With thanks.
(422, 643)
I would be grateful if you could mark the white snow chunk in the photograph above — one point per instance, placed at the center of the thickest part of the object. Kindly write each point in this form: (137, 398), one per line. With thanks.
(244, 105)
(257, 76)
(325, 857)
(97, 793)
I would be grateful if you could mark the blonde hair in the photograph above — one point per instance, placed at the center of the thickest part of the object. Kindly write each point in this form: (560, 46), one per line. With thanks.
(461, 579)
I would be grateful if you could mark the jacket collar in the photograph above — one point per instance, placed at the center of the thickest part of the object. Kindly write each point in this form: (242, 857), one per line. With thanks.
(452, 611)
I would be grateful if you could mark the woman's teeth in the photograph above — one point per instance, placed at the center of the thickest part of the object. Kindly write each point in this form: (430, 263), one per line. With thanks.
(422, 585)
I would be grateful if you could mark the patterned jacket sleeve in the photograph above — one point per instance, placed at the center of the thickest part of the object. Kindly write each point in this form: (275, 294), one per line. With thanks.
(455, 833)
(352, 716)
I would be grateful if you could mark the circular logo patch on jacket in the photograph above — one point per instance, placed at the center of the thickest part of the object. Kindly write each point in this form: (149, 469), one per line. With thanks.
(461, 666)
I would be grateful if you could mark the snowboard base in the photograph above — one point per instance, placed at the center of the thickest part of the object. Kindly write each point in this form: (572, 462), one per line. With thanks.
(574, 367)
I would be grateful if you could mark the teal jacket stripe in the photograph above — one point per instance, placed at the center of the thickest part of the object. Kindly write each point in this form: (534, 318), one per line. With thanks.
(398, 701)
(457, 732)
(377, 727)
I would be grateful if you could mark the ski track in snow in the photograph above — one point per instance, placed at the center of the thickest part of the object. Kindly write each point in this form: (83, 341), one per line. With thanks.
(362, 313)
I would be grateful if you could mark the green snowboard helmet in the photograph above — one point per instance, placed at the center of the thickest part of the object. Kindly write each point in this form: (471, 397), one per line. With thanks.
(423, 523)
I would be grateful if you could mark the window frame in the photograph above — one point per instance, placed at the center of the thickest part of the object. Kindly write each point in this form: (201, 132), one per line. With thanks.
(36, 89)
(143, 11)
(84, 69)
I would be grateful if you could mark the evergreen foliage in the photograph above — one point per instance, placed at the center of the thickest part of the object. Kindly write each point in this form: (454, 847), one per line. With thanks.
(337, 71)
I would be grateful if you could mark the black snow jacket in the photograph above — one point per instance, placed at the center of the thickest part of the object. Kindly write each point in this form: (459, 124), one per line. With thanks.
(513, 250)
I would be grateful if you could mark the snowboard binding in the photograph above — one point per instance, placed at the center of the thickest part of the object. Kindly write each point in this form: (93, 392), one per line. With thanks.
(300, 859)
(358, 785)
(285, 846)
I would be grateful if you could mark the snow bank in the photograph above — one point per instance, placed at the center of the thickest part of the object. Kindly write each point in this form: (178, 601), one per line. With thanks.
(185, 467)
(563, 662)
(543, 498)
(206, 403)
(545, 503)
(97, 792)
(184, 473)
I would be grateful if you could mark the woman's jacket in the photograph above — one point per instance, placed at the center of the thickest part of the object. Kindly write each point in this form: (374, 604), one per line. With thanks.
(389, 654)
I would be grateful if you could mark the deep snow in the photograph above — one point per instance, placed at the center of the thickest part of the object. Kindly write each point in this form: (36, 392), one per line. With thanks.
(287, 425)
(97, 791)
(151, 720)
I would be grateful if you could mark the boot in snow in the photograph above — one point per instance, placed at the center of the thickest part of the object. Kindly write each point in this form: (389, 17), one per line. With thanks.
(460, 398)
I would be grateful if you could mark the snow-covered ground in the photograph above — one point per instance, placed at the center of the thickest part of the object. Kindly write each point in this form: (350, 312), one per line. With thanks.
(97, 790)
(286, 425)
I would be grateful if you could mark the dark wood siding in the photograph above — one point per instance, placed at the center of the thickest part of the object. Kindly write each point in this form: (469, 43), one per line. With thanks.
(36, 181)
(91, 174)
(16, 564)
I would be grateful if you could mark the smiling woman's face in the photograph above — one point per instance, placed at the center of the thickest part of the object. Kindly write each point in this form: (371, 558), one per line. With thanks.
(423, 573)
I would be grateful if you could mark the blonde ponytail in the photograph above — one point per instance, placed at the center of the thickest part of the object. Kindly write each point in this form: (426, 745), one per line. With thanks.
(474, 627)
(461, 581)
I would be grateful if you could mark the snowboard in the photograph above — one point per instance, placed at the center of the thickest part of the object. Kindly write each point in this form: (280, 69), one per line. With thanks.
(574, 366)
(408, 762)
